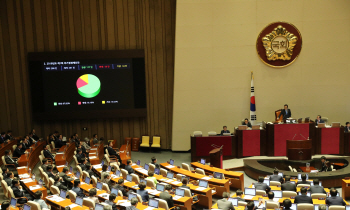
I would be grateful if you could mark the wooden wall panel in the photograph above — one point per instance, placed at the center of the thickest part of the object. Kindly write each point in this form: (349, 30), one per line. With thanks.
(69, 25)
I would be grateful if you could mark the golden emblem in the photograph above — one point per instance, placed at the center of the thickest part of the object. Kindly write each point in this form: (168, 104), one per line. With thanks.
(279, 44)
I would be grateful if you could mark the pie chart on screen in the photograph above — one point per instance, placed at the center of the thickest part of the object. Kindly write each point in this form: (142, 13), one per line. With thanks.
(88, 85)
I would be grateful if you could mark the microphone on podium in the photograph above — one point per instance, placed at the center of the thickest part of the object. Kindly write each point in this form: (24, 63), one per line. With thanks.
(303, 136)
(294, 136)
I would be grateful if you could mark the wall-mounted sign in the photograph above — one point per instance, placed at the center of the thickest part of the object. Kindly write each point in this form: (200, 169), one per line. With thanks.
(279, 44)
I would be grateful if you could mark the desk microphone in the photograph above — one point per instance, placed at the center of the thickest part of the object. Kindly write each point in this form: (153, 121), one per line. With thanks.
(294, 136)
(303, 136)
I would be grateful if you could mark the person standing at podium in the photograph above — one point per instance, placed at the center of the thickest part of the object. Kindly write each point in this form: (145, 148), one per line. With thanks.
(319, 120)
(225, 130)
(347, 127)
(285, 112)
(247, 123)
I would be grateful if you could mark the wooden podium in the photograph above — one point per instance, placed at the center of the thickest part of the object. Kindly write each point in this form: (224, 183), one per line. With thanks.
(216, 157)
(299, 149)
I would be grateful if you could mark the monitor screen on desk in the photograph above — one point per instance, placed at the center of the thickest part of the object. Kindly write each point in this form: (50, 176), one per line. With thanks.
(79, 201)
(203, 183)
(117, 173)
(13, 202)
(267, 181)
(294, 206)
(132, 195)
(312, 183)
(329, 195)
(109, 168)
(171, 162)
(180, 192)
(71, 169)
(157, 171)
(234, 201)
(138, 162)
(115, 191)
(146, 167)
(26, 207)
(98, 206)
(218, 175)
(278, 193)
(78, 174)
(203, 161)
(102, 163)
(143, 181)
(87, 180)
(63, 194)
(299, 176)
(249, 191)
(160, 187)
(280, 174)
(347, 207)
(129, 177)
(308, 193)
(99, 185)
(170, 175)
(153, 203)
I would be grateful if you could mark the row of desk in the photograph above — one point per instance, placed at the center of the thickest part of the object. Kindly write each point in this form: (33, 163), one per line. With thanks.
(271, 141)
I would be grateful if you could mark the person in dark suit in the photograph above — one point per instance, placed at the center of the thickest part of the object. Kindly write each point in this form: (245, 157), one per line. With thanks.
(9, 160)
(319, 120)
(328, 166)
(55, 135)
(287, 204)
(49, 172)
(31, 140)
(88, 169)
(275, 177)
(167, 197)
(25, 144)
(120, 186)
(303, 198)
(110, 201)
(323, 161)
(224, 203)
(10, 176)
(271, 195)
(224, 130)
(2, 137)
(44, 165)
(239, 195)
(260, 185)
(35, 137)
(9, 135)
(133, 203)
(77, 189)
(48, 154)
(251, 206)
(19, 192)
(83, 164)
(51, 138)
(334, 199)
(59, 184)
(59, 142)
(128, 167)
(247, 123)
(18, 151)
(303, 180)
(288, 186)
(154, 162)
(67, 180)
(112, 152)
(83, 149)
(95, 139)
(347, 127)
(142, 192)
(184, 183)
(317, 188)
(80, 156)
(285, 112)
(4, 172)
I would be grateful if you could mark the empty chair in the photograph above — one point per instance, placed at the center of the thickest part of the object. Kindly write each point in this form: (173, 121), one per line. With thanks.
(105, 187)
(72, 195)
(274, 183)
(1, 177)
(197, 133)
(94, 180)
(200, 171)
(211, 133)
(271, 205)
(85, 174)
(14, 147)
(150, 183)
(156, 142)
(242, 203)
(186, 166)
(46, 180)
(89, 203)
(260, 192)
(304, 185)
(305, 206)
(178, 177)
(318, 195)
(34, 205)
(80, 171)
(54, 190)
(145, 141)
(51, 181)
(162, 204)
(151, 167)
(135, 178)
(289, 194)
(115, 165)
(124, 173)
(163, 172)
(41, 157)
(4, 188)
(290, 168)
(336, 207)
(187, 192)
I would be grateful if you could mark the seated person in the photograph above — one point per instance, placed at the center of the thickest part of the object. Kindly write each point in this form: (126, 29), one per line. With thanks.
(112, 152)
(275, 177)
(334, 199)
(154, 162)
(2, 138)
(319, 120)
(328, 166)
(10, 176)
(323, 161)
(9, 160)
(35, 137)
(128, 167)
(247, 123)
(224, 130)
(104, 171)
(45, 164)
(184, 183)
(303, 180)
(347, 127)
(88, 169)
(285, 112)
(271, 195)
(5, 205)
(59, 142)
(239, 194)
(260, 185)
(80, 156)
(58, 183)
(251, 206)
(317, 188)
(49, 172)
(142, 192)
(19, 192)
(287, 204)
(67, 180)
(95, 139)
(48, 154)
(83, 149)
(106, 178)
(93, 195)
(5, 170)
(18, 151)
(110, 201)
(39, 199)
(31, 140)
(133, 203)
(51, 138)
(111, 184)
(9, 135)
(120, 186)
(165, 195)
(303, 198)
(151, 177)
(76, 188)
(83, 164)
(224, 203)
(288, 186)
(25, 144)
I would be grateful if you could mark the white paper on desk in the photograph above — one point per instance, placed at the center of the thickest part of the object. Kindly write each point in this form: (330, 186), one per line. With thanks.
(149, 208)
(176, 197)
(97, 166)
(163, 180)
(21, 167)
(24, 176)
(175, 182)
(60, 166)
(135, 186)
(200, 188)
(248, 197)
(170, 166)
(34, 187)
(73, 205)
(168, 180)
(104, 195)
(276, 199)
(92, 157)
(59, 153)
(133, 164)
(93, 149)
(27, 180)
(114, 176)
(206, 178)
